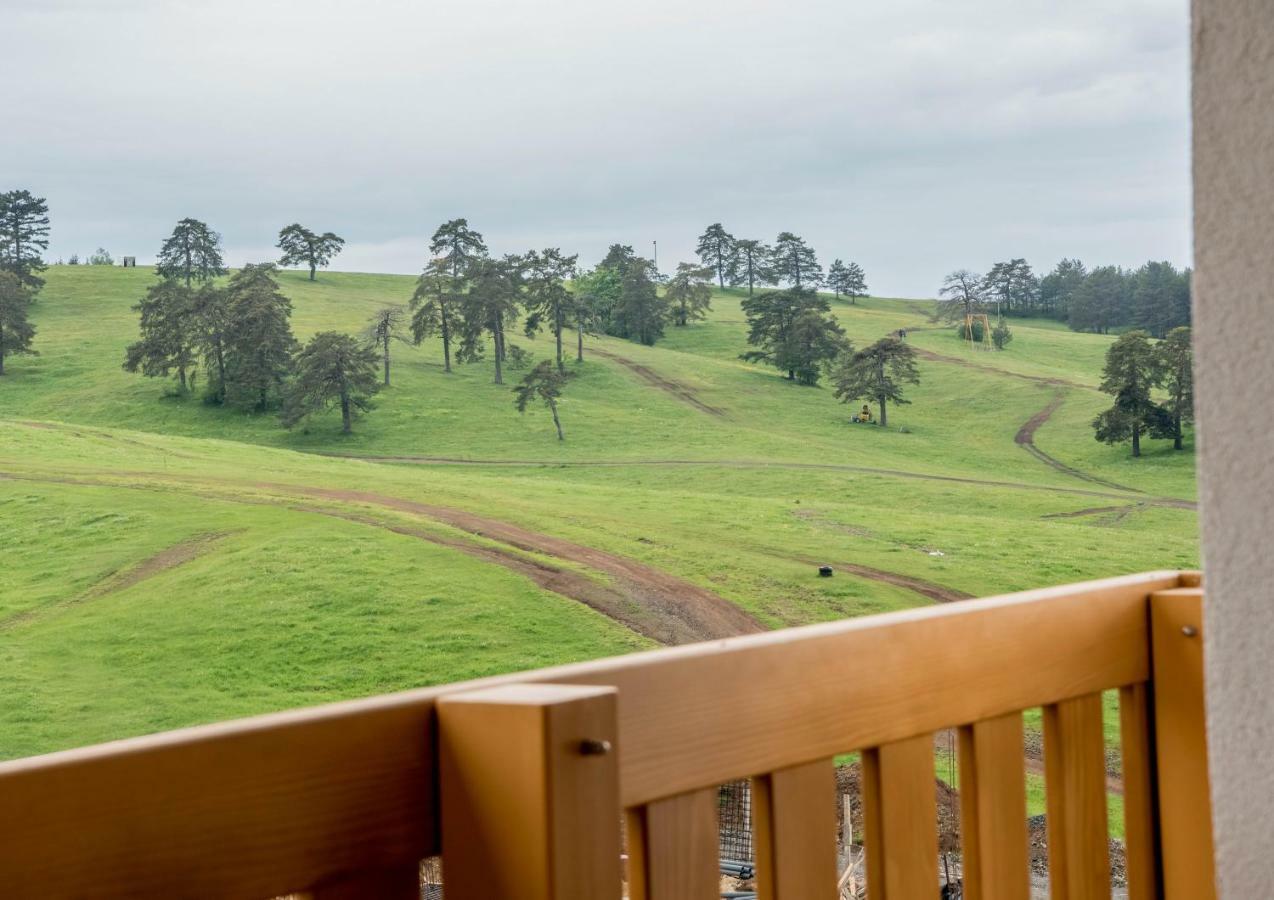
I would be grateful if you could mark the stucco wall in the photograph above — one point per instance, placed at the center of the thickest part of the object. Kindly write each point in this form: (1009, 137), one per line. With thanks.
(1234, 335)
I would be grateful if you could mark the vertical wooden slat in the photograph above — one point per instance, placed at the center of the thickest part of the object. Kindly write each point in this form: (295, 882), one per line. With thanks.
(1185, 803)
(1141, 837)
(794, 832)
(530, 793)
(994, 843)
(673, 848)
(900, 818)
(1075, 775)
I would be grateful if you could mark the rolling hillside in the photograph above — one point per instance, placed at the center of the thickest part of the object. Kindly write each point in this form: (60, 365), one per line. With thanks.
(167, 562)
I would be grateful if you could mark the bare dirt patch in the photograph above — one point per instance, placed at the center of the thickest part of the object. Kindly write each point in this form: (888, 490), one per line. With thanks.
(667, 385)
(626, 601)
(699, 613)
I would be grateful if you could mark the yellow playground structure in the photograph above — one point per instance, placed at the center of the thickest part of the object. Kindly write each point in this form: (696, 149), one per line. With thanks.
(970, 320)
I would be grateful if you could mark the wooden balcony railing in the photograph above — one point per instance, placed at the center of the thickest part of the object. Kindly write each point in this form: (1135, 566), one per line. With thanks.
(520, 782)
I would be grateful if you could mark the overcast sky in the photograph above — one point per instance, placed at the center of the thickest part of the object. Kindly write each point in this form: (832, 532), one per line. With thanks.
(912, 136)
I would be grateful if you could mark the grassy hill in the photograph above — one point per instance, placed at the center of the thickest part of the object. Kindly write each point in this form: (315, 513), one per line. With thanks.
(167, 562)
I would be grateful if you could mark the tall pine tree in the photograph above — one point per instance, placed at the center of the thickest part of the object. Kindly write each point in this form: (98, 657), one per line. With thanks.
(24, 236)
(191, 253)
(718, 251)
(301, 246)
(333, 369)
(258, 338)
(16, 330)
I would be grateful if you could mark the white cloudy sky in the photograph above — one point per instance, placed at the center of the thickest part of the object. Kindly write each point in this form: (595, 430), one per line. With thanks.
(914, 136)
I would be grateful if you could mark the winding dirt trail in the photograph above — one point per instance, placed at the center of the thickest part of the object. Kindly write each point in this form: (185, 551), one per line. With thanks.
(656, 604)
(1025, 438)
(683, 611)
(667, 385)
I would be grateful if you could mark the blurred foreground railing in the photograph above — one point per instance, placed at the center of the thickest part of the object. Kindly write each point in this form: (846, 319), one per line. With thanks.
(520, 782)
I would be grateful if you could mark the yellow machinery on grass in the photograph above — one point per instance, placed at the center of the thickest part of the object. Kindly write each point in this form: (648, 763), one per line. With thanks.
(864, 417)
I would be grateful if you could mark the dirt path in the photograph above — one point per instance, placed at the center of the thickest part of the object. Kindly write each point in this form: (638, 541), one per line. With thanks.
(654, 603)
(936, 592)
(667, 385)
(689, 612)
(750, 464)
(1115, 514)
(996, 370)
(1025, 438)
(168, 558)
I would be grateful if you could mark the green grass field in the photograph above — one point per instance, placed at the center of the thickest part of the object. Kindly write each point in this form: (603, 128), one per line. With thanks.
(166, 562)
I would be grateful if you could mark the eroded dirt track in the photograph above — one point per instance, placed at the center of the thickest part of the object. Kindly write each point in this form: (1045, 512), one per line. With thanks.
(667, 385)
(1025, 438)
(661, 606)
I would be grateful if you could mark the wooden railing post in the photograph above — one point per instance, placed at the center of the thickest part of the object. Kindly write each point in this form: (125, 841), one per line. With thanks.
(1075, 794)
(993, 810)
(672, 848)
(794, 814)
(1185, 806)
(900, 818)
(530, 793)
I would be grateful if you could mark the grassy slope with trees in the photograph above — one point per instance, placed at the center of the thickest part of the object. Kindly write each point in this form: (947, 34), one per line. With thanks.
(265, 596)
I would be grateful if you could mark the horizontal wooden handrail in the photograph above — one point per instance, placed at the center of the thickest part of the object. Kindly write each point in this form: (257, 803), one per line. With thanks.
(283, 802)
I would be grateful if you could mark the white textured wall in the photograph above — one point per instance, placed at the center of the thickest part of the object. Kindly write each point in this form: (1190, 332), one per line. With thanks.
(1234, 335)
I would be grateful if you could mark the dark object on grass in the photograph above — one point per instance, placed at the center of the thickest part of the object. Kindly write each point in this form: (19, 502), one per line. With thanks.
(825, 571)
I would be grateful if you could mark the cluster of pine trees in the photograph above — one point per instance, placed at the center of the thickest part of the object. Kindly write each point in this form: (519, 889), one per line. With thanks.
(1135, 367)
(24, 236)
(740, 262)
(1154, 298)
(239, 335)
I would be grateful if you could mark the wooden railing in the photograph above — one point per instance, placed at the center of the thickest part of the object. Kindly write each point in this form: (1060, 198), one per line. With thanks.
(520, 782)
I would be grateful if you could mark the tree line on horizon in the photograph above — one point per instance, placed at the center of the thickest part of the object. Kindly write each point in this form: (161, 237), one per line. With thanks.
(1154, 298)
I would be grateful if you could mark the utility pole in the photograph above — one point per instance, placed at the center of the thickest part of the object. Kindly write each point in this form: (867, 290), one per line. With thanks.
(655, 256)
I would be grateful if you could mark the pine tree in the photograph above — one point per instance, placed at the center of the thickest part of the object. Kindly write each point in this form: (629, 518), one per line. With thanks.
(545, 383)
(838, 277)
(24, 236)
(385, 327)
(855, 282)
(876, 373)
(690, 293)
(168, 334)
(752, 263)
(596, 295)
(1059, 287)
(434, 308)
(1176, 361)
(210, 320)
(794, 331)
(332, 369)
(191, 253)
(456, 249)
(640, 313)
(258, 338)
(718, 251)
(795, 262)
(547, 298)
(489, 308)
(16, 331)
(302, 246)
(1133, 369)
